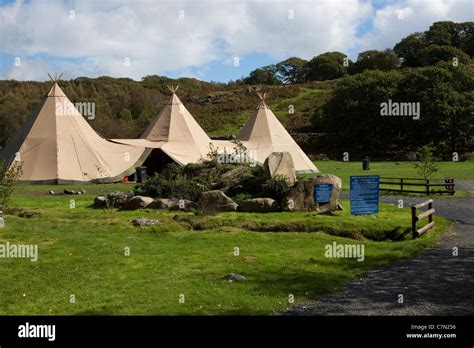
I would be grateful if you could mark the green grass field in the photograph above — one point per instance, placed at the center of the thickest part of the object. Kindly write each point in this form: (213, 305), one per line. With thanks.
(457, 170)
(82, 252)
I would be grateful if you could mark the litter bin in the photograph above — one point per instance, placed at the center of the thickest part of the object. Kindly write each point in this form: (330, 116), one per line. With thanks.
(365, 164)
(141, 174)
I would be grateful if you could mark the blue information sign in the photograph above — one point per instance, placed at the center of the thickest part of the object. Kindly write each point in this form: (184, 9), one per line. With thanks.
(365, 194)
(322, 193)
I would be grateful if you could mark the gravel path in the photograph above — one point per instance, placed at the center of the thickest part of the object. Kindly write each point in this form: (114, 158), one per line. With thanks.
(434, 283)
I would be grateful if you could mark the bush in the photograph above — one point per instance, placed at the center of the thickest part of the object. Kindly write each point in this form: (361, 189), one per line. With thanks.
(158, 186)
(276, 187)
(8, 177)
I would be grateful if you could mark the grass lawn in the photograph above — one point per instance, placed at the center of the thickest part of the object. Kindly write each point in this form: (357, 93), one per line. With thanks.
(82, 252)
(457, 170)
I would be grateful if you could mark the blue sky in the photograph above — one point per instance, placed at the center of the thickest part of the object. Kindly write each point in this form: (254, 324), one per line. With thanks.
(203, 38)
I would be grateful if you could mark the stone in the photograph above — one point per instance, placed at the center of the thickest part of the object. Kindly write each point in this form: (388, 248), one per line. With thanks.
(69, 192)
(234, 277)
(258, 205)
(339, 206)
(118, 199)
(51, 192)
(184, 204)
(100, 202)
(215, 201)
(321, 157)
(232, 178)
(144, 222)
(137, 202)
(161, 203)
(301, 196)
(280, 163)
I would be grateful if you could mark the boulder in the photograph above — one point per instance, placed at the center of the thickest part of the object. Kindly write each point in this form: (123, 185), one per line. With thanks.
(161, 203)
(183, 204)
(100, 202)
(137, 202)
(258, 205)
(118, 199)
(280, 163)
(301, 196)
(144, 222)
(233, 177)
(215, 201)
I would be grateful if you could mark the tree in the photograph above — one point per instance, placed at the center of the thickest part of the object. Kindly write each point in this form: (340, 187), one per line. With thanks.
(433, 54)
(327, 66)
(8, 176)
(408, 48)
(265, 76)
(376, 60)
(427, 164)
(353, 113)
(291, 70)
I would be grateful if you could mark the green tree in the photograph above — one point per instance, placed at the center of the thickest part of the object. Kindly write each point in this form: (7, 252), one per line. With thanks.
(327, 66)
(291, 70)
(408, 49)
(376, 60)
(427, 164)
(264, 76)
(433, 54)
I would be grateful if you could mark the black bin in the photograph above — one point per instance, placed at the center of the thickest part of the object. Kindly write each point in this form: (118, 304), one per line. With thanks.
(366, 164)
(141, 174)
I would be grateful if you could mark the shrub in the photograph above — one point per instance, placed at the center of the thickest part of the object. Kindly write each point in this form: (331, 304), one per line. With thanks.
(276, 187)
(8, 177)
(427, 164)
(181, 188)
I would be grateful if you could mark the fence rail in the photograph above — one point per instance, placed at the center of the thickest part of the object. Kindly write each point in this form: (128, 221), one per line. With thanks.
(415, 218)
(426, 184)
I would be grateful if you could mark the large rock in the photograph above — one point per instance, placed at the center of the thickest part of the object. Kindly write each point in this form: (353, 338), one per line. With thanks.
(280, 163)
(216, 201)
(233, 177)
(258, 205)
(161, 203)
(301, 196)
(100, 202)
(143, 222)
(137, 202)
(118, 199)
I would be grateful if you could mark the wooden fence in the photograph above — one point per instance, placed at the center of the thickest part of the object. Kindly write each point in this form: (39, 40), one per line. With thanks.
(415, 218)
(427, 185)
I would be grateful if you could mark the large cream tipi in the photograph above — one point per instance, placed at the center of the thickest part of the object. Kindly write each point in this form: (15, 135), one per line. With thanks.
(263, 134)
(57, 145)
(176, 133)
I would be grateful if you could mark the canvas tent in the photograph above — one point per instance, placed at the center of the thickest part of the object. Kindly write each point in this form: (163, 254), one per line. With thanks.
(264, 134)
(175, 132)
(57, 145)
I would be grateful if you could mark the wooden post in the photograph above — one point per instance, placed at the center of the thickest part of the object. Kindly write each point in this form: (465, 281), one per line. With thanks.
(427, 187)
(401, 185)
(414, 233)
(430, 217)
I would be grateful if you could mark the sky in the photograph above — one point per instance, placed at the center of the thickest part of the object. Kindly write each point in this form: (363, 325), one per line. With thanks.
(211, 40)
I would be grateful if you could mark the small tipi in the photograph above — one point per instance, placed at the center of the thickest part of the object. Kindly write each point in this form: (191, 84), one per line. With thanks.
(175, 132)
(263, 134)
(57, 145)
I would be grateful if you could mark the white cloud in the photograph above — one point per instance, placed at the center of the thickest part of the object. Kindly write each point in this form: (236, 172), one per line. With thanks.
(102, 34)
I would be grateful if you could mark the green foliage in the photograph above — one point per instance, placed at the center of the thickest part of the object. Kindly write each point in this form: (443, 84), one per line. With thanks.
(291, 70)
(433, 54)
(276, 187)
(326, 66)
(162, 187)
(427, 164)
(375, 60)
(8, 177)
(263, 76)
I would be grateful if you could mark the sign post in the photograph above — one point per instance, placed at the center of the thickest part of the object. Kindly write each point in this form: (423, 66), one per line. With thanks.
(364, 194)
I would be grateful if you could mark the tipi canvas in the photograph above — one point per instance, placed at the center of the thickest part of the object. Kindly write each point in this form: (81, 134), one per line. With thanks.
(57, 145)
(264, 134)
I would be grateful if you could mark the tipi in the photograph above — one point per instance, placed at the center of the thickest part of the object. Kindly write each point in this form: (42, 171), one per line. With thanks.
(175, 132)
(264, 134)
(57, 145)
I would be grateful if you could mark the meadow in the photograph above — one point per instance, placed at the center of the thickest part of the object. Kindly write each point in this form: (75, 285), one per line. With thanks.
(178, 267)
